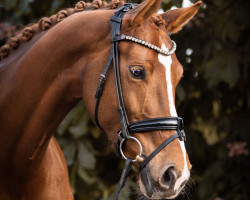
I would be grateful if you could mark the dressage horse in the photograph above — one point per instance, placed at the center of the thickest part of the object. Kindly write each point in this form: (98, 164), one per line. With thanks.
(51, 65)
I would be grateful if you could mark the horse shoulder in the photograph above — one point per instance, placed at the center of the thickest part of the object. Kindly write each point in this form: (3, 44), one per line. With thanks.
(50, 180)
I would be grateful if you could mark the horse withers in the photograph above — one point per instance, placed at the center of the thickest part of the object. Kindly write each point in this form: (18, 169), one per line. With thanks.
(51, 65)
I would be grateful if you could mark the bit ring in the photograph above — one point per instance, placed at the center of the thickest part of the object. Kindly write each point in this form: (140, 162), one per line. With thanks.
(138, 157)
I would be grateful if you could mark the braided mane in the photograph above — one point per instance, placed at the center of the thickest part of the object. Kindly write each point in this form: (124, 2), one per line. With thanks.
(46, 23)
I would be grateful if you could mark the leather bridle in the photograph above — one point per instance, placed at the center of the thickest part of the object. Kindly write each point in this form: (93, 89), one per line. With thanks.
(164, 123)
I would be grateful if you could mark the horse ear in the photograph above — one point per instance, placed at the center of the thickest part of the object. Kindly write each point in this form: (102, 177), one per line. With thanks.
(141, 12)
(177, 18)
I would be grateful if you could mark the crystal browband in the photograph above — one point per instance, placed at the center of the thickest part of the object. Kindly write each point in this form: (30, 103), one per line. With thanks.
(146, 44)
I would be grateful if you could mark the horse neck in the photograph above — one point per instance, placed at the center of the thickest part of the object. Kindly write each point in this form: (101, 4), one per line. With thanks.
(39, 88)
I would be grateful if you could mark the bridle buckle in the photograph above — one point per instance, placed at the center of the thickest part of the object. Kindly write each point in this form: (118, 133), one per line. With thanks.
(182, 135)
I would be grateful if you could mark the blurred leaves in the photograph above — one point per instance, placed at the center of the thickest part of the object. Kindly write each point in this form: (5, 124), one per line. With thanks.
(24, 6)
(69, 152)
(8, 4)
(177, 3)
(86, 158)
(84, 175)
(227, 72)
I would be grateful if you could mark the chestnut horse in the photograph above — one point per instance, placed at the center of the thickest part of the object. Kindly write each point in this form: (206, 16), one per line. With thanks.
(48, 68)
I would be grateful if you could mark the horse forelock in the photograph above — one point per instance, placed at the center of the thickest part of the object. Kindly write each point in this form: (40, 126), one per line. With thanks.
(46, 23)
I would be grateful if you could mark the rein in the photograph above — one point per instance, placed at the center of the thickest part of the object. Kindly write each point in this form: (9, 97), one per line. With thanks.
(154, 124)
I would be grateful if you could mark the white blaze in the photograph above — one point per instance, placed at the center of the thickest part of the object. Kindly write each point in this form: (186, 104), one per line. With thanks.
(166, 61)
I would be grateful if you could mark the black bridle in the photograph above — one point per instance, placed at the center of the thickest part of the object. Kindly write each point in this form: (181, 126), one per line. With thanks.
(164, 123)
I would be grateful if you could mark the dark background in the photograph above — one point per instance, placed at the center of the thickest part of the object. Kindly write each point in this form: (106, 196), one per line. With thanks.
(213, 97)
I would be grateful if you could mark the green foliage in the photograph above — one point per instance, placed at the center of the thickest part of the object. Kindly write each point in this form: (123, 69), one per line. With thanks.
(213, 97)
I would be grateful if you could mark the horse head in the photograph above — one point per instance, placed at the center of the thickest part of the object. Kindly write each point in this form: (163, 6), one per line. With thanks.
(148, 81)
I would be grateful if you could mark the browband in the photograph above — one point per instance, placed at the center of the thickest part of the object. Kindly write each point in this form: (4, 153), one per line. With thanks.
(144, 43)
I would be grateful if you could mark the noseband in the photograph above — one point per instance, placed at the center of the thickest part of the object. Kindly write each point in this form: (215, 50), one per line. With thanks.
(154, 124)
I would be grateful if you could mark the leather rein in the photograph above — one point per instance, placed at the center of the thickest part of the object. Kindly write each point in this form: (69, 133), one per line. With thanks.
(164, 123)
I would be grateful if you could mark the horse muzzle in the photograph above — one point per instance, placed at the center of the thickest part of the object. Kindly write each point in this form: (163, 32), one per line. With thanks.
(166, 185)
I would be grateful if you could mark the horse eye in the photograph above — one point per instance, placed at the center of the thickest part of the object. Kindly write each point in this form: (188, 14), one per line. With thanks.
(137, 72)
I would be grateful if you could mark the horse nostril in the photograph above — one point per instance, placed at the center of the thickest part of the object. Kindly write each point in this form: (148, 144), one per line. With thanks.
(168, 178)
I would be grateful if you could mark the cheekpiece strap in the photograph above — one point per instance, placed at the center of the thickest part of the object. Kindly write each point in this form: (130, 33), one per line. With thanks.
(116, 24)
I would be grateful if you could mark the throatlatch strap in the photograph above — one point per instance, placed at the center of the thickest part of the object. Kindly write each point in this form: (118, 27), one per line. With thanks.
(116, 28)
(100, 88)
